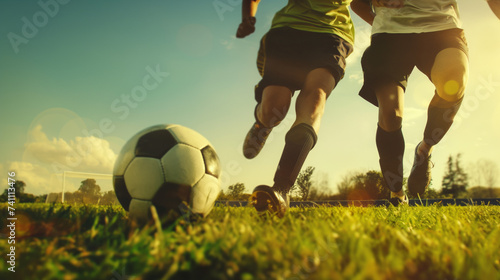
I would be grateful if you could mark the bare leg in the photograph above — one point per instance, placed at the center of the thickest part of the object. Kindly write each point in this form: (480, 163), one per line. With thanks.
(274, 106)
(302, 137)
(389, 137)
(390, 99)
(449, 74)
(269, 113)
(310, 105)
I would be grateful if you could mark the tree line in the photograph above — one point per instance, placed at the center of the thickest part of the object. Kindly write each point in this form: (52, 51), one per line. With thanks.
(368, 185)
(89, 192)
(353, 186)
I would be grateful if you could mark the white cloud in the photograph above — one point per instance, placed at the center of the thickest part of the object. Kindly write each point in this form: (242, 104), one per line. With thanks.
(38, 179)
(228, 44)
(41, 179)
(357, 77)
(45, 159)
(88, 154)
(412, 114)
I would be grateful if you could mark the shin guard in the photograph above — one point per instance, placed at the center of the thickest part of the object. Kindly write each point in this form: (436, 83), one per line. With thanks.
(298, 142)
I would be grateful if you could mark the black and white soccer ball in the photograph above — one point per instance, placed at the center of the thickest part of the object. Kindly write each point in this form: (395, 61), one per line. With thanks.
(168, 167)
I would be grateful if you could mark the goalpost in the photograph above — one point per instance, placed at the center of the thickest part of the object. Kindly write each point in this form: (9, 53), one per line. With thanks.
(77, 174)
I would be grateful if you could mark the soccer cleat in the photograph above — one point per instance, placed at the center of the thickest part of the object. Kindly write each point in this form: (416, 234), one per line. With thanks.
(267, 199)
(255, 140)
(420, 176)
(392, 175)
(398, 198)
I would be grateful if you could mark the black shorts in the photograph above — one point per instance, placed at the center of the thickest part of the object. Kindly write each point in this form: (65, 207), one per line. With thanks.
(287, 55)
(392, 57)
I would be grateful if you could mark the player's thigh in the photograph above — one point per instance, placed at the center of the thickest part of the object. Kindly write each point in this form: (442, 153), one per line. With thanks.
(275, 102)
(390, 97)
(319, 81)
(450, 73)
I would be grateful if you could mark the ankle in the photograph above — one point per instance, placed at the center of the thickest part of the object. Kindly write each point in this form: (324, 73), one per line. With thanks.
(399, 193)
(424, 149)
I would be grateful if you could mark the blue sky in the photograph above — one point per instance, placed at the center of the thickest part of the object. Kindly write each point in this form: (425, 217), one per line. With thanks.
(78, 79)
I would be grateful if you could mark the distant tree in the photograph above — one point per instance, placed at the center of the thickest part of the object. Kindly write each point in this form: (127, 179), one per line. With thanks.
(372, 182)
(455, 181)
(304, 182)
(19, 186)
(484, 173)
(90, 190)
(320, 188)
(346, 185)
(362, 186)
(41, 198)
(3, 197)
(109, 198)
(431, 193)
(90, 187)
(483, 192)
(236, 191)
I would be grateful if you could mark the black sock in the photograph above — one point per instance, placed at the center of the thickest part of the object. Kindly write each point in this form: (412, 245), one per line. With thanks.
(298, 142)
(391, 147)
(440, 117)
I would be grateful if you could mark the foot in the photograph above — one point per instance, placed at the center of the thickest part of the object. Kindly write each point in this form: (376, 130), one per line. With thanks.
(392, 174)
(420, 176)
(265, 198)
(255, 140)
(398, 198)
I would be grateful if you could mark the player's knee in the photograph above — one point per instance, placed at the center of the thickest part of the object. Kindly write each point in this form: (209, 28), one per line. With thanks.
(316, 97)
(451, 87)
(391, 120)
(312, 103)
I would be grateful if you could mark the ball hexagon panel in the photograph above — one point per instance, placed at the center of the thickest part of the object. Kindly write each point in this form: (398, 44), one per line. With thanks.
(170, 196)
(127, 153)
(204, 194)
(212, 163)
(140, 210)
(121, 191)
(183, 165)
(143, 177)
(155, 144)
(188, 136)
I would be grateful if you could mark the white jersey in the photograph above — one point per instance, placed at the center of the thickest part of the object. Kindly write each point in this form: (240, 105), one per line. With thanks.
(417, 16)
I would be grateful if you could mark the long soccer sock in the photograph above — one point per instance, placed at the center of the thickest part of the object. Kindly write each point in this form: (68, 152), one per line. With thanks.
(298, 142)
(440, 117)
(391, 147)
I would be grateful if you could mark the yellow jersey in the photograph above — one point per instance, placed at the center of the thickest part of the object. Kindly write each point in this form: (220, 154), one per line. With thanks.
(320, 16)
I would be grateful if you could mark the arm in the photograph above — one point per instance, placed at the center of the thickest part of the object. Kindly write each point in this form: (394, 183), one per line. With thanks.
(363, 9)
(247, 25)
(495, 7)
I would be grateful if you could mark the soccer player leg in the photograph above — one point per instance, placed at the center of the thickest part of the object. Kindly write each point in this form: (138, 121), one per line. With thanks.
(274, 106)
(302, 137)
(269, 112)
(389, 138)
(449, 74)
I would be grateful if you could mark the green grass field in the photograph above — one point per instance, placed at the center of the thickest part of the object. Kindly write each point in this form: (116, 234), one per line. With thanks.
(91, 242)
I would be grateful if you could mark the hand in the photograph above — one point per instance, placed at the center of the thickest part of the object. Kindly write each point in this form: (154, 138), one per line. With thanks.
(389, 3)
(247, 27)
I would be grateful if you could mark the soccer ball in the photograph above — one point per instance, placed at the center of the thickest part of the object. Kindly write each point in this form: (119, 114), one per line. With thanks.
(168, 167)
